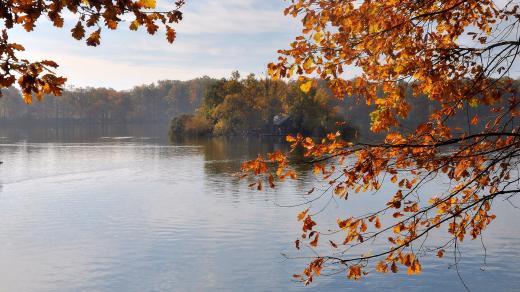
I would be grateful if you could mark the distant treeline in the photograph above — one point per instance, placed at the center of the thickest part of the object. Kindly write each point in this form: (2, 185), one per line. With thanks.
(207, 106)
(242, 106)
(152, 103)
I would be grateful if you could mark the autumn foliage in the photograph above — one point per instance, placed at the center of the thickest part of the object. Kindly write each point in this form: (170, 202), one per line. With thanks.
(458, 55)
(38, 78)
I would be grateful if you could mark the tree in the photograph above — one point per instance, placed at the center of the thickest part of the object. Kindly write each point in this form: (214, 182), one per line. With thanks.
(248, 106)
(37, 77)
(457, 56)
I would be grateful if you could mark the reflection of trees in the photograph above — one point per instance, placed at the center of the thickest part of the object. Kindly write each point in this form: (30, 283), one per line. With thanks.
(74, 133)
(233, 148)
(223, 157)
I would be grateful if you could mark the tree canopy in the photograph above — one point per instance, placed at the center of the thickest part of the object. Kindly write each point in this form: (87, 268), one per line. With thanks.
(38, 78)
(456, 54)
(157, 102)
(252, 106)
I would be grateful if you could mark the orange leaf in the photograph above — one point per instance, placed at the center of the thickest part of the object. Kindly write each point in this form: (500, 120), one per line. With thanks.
(381, 267)
(378, 223)
(354, 272)
(302, 214)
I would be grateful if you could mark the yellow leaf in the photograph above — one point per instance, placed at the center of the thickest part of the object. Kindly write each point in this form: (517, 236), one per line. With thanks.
(134, 25)
(318, 37)
(150, 4)
(291, 139)
(307, 66)
(27, 97)
(306, 86)
(302, 214)
(46, 88)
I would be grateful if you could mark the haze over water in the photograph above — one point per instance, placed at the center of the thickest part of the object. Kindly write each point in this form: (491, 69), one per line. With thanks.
(123, 209)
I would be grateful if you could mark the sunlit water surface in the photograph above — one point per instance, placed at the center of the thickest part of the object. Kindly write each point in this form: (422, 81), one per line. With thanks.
(123, 209)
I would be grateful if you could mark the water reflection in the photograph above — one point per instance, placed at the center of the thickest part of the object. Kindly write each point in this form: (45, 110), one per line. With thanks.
(85, 213)
(78, 133)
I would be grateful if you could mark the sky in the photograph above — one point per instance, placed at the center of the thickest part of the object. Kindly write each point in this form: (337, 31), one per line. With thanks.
(215, 38)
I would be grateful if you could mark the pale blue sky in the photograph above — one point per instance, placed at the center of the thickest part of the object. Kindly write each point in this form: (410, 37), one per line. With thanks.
(215, 38)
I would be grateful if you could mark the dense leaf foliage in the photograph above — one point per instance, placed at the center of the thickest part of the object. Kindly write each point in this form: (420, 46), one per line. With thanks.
(38, 78)
(457, 55)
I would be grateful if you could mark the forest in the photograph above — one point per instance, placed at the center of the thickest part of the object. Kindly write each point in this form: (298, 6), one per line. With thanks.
(153, 103)
(212, 107)
(198, 107)
(232, 106)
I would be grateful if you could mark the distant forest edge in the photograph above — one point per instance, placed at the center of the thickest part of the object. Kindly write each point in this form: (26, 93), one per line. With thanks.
(207, 106)
(153, 103)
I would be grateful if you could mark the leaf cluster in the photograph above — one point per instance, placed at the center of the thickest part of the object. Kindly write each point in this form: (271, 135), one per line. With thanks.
(397, 44)
(37, 78)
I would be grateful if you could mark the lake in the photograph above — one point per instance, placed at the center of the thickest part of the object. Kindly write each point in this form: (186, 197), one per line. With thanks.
(123, 209)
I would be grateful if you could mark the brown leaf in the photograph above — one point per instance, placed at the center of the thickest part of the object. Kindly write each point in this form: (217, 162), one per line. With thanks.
(302, 214)
(314, 242)
(94, 38)
(271, 181)
(394, 268)
(170, 34)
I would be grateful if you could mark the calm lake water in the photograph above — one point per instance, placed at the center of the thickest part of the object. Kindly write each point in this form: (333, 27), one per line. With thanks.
(123, 209)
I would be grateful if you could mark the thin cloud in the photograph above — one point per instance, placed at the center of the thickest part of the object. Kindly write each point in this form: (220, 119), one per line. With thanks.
(232, 16)
(214, 38)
